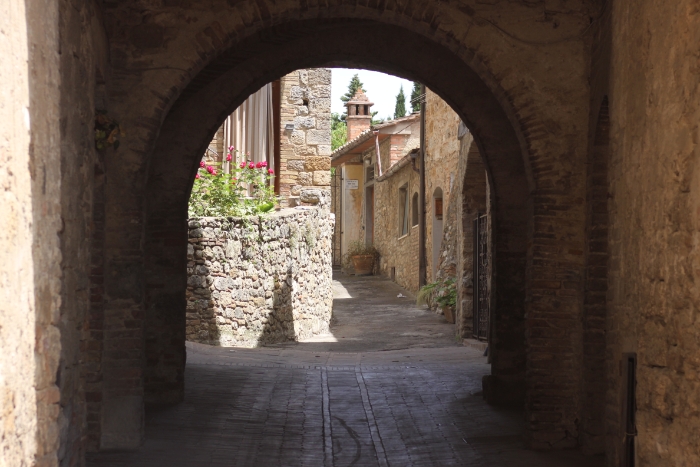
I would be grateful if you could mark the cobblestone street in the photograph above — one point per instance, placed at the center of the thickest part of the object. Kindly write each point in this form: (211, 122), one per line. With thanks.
(390, 387)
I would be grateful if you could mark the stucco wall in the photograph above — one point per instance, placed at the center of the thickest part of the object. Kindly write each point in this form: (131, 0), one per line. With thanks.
(259, 281)
(352, 204)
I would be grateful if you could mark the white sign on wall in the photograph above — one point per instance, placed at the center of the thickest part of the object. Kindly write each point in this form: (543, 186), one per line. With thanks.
(352, 184)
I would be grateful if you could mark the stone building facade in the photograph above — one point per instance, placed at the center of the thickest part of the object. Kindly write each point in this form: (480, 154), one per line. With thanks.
(442, 156)
(373, 192)
(262, 281)
(94, 242)
(393, 195)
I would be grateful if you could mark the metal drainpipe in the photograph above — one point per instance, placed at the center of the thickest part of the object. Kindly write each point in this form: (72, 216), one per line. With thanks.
(422, 260)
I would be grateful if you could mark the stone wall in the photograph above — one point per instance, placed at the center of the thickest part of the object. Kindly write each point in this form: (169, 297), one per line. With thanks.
(442, 156)
(397, 251)
(653, 200)
(30, 255)
(400, 252)
(473, 198)
(260, 281)
(305, 150)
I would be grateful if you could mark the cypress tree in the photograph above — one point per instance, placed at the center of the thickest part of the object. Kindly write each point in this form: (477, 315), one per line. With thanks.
(400, 109)
(415, 97)
(354, 85)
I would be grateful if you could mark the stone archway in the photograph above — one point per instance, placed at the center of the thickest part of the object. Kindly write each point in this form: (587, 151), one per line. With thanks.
(73, 344)
(177, 86)
(170, 176)
(474, 202)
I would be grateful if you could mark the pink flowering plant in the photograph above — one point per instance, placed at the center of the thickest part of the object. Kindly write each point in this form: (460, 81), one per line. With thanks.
(247, 189)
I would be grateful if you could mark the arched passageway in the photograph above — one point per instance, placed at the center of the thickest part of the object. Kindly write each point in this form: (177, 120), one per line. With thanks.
(93, 272)
(243, 65)
(174, 83)
(226, 82)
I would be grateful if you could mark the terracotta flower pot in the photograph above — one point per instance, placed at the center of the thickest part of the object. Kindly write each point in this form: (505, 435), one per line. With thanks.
(363, 264)
(449, 316)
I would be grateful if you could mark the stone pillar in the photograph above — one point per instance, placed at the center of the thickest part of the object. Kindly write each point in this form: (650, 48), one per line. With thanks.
(123, 356)
(305, 145)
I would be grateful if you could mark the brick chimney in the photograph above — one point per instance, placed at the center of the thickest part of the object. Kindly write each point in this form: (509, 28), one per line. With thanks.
(359, 114)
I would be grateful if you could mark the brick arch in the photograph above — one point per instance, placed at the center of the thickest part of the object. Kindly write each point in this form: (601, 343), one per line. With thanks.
(175, 99)
(167, 66)
(177, 154)
(506, 384)
(596, 287)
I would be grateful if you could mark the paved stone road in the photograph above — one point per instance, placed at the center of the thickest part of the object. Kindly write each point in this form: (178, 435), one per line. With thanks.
(323, 403)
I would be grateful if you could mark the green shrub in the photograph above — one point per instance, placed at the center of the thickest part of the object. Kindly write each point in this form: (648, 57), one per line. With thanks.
(442, 292)
(247, 190)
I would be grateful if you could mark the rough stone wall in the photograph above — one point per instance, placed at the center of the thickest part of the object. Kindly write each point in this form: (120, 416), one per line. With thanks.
(30, 266)
(472, 200)
(396, 250)
(463, 245)
(261, 281)
(442, 156)
(305, 151)
(654, 238)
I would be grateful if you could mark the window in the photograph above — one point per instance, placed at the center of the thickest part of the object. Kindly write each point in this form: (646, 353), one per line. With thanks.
(414, 214)
(403, 210)
(438, 208)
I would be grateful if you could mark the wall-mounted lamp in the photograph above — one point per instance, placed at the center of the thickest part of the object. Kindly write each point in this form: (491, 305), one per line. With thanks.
(289, 127)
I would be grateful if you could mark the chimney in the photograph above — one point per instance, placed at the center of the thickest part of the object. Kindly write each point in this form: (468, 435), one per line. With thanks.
(359, 114)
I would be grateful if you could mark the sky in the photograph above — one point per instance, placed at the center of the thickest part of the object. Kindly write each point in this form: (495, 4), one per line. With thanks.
(379, 87)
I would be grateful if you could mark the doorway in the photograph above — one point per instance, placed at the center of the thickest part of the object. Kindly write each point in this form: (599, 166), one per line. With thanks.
(437, 229)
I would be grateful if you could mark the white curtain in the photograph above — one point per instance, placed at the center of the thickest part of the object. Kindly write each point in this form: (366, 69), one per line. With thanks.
(250, 128)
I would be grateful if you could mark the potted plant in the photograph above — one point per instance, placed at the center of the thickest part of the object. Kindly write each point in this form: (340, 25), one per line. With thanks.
(441, 293)
(362, 257)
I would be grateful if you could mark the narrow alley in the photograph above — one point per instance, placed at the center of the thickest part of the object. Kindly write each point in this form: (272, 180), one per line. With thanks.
(390, 386)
